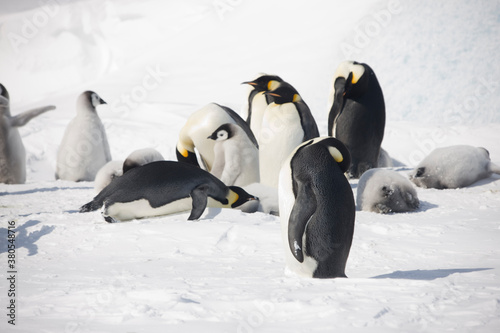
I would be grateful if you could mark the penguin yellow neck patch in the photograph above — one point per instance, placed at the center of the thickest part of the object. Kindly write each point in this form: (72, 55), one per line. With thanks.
(232, 197)
(336, 154)
(184, 152)
(273, 84)
(296, 98)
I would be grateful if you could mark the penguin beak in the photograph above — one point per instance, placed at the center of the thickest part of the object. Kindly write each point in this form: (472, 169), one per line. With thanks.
(272, 94)
(250, 83)
(102, 101)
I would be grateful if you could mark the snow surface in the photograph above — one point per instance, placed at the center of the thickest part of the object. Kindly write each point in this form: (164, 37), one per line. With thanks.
(434, 270)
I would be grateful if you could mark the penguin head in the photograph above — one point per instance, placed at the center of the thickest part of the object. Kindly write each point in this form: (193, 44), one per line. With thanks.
(224, 132)
(238, 197)
(334, 147)
(185, 152)
(264, 82)
(284, 93)
(90, 100)
(351, 79)
(4, 93)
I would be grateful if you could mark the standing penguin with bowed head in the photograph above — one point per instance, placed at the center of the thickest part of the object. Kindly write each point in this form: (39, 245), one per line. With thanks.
(317, 208)
(257, 101)
(357, 114)
(12, 152)
(84, 148)
(287, 123)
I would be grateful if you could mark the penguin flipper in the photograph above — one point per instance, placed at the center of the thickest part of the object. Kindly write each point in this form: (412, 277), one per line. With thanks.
(23, 118)
(200, 199)
(301, 213)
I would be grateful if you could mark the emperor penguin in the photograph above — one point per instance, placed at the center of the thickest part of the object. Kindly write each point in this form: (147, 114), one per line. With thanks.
(287, 123)
(84, 148)
(317, 208)
(12, 152)
(140, 157)
(357, 114)
(165, 187)
(454, 167)
(199, 126)
(236, 156)
(257, 101)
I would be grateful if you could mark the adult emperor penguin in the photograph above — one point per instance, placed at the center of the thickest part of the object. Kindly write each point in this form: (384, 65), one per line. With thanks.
(317, 208)
(287, 123)
(236, 156)
(84, 148)
(257, 101)
(202, 124)
(12, 152)
(357, 114)
(165, 187)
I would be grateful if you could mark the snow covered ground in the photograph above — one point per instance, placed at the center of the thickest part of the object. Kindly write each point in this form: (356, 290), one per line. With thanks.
(437, 269)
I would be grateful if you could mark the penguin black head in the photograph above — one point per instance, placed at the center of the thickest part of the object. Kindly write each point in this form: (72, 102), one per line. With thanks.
(264, 82)
(238, 196)
(336, 148)
(224, 132)
(284, 93)
(93, 99)
(3, 92)
(351, 78)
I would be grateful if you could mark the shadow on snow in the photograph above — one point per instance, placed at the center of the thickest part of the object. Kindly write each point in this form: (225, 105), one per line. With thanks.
(428, 275)
(26, 239)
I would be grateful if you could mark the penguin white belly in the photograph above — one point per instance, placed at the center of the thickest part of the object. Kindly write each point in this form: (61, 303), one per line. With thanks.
(280, 134)
(286, 202)
(141, 208)
(259, 105)
(84, 149)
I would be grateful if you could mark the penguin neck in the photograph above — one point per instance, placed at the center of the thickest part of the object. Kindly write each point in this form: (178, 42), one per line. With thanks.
(84, 106)
(231, 197)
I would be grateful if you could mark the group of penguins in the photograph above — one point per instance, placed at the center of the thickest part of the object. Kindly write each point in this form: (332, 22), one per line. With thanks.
(222, 157)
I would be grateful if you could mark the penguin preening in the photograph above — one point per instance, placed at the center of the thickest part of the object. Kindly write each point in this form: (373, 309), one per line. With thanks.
(12, 151)
(236, 156)
(317, 208)
(199, 126)
(357, 114)
(257, 101)
(287, 122)
(84, 148)
(166, 187)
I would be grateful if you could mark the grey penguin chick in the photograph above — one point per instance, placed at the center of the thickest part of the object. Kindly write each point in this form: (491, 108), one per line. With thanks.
(12, 151)
(454, 167)
(385, 191)
(140, 157)
(84, 148)
(236, 156)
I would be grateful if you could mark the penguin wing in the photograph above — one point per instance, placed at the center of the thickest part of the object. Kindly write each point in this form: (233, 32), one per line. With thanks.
(23, 118)
(200, 199)
(240, 122)
(307, 121)
(302, 211)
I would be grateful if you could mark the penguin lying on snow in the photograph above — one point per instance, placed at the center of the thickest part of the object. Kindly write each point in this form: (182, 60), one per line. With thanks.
(166, 187)
(317, 208)
(386, 191)
(454, 167)
(202, 124)
(84, 148)
(287, 123)
(257, 101)
(357, 114)
(12, 152)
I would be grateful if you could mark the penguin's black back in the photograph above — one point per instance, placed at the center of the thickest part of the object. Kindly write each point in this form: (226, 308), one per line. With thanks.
(160, 183)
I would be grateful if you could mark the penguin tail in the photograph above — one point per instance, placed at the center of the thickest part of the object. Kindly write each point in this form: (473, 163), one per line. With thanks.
(90, 207)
